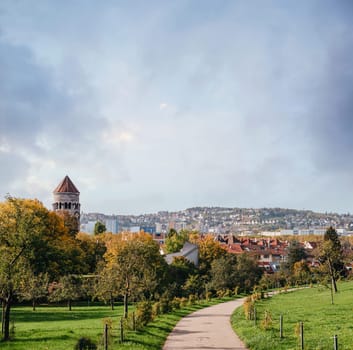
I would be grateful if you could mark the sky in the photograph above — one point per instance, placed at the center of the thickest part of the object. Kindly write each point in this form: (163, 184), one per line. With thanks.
(165, 105)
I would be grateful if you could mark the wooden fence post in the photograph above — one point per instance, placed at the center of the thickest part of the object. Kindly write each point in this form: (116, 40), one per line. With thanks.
(335, 342)
(121, 330)
(133, 321)
(281, 326)
(106, 336)
(302, 335)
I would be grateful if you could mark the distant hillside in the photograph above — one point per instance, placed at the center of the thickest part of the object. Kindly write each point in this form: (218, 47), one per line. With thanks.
(230, 220)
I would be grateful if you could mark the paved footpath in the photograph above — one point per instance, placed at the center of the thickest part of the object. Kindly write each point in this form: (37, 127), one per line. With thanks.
(208, 328)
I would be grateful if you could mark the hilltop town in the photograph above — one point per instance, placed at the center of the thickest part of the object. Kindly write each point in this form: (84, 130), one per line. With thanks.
(218, 220)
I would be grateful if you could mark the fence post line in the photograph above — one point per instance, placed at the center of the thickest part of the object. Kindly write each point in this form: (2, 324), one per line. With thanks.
(335, 342)
(281, 326)
(302, 335)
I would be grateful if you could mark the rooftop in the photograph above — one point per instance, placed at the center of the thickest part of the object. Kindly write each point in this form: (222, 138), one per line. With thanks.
(66, 186)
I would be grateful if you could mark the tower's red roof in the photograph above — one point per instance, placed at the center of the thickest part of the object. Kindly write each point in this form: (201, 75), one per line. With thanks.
(66, 186)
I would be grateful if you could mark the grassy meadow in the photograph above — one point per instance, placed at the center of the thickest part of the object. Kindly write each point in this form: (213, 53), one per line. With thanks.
(56, 328)
(313, 307)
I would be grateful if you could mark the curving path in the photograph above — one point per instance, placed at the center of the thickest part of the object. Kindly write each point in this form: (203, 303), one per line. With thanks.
(208, 328)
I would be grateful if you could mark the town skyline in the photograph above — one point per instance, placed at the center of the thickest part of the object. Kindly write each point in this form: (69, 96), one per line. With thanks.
(152, 106)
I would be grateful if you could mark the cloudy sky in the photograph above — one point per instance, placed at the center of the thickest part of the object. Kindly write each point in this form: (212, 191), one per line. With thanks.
(165, 105)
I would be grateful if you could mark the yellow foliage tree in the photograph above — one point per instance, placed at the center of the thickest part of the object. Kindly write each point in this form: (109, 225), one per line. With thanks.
(134, 262)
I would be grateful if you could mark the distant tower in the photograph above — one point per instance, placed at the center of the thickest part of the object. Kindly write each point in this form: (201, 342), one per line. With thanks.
(67, 198)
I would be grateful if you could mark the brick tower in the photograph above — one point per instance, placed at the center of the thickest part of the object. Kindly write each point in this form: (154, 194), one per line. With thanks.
(67, 198)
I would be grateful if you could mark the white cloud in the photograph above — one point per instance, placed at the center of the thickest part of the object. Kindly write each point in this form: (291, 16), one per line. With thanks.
(187, 107)
(163, 106)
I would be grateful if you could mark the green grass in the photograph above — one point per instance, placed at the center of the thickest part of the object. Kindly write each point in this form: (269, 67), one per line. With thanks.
(313, 307)
(56, 327)
(59, 329)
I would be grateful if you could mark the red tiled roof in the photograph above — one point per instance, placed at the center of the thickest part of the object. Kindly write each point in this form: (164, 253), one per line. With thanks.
(66, 186)
(235, 248)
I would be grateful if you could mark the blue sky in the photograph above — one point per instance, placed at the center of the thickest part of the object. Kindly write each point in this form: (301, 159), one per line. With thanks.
(164, 105)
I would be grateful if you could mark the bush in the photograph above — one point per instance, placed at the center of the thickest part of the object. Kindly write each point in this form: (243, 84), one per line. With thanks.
(143, 313)
(220, 293)
(248, 308)
(165, 306)
(85, 344)
(266, 323)
(156, 309)
(227, 293)
(183, 302)
(208, 296)
(192, 299)
(175, 304)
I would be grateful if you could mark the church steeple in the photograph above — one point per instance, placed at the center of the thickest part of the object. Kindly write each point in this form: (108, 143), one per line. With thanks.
(67, 198)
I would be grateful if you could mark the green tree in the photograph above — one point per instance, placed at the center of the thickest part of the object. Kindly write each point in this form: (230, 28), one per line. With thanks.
(178, 272)
(33, 287)
(331, 257)
(223, 272)
(69, 288)
(99, 228)
(193, 285)
(105, 286)
(93, 249)
(175, 240)
(247, 273)
(296, 252)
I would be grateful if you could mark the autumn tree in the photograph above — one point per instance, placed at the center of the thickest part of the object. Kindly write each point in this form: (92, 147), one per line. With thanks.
(31, 239)
(209, 250)
(71, 222)
(135, 264)
(301, 272)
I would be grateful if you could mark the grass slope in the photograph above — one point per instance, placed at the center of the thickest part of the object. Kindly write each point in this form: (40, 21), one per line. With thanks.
(56, 328)
(311, 306)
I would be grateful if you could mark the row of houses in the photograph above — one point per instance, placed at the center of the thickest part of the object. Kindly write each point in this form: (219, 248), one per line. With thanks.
(269, 253)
